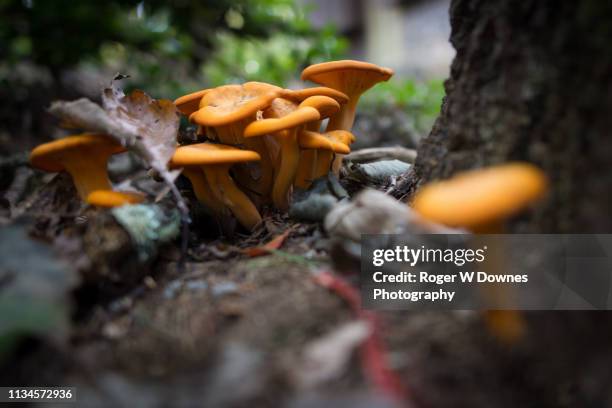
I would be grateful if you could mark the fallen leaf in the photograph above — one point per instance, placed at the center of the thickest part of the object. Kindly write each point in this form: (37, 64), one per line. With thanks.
(146, 126)
(273, 244)
(154, 122)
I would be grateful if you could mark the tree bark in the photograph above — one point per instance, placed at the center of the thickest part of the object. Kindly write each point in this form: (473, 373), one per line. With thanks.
(531, 81)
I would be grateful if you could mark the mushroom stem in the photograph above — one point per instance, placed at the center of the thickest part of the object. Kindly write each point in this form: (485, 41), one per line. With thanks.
(202, 190)
(306, 168)
(226, 191)
(261, 181)
(290, 156)
(88, 173)
(324, 162)
(343, 120)
(308, 161)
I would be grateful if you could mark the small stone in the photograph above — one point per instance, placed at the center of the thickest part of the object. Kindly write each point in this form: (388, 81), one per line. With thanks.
(149, 282)
(224, 288)
(196, 285)
(172, 288)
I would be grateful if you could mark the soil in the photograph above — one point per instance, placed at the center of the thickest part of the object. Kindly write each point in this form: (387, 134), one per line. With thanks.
(231, 330)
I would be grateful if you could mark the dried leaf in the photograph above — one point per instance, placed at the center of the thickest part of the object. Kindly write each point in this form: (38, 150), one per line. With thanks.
(146, 126)
(154, 123)
(142, 124)
(272, 245)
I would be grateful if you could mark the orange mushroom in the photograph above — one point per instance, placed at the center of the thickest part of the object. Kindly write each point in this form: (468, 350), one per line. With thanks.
(299, 95)
(352, 78)
(480, 200)
(110, 198)
(215, 161)
(315, 143)
(84, 156)
(283, 120)
(309, 156)
(226, 111)
(187, 104)
(325, 159)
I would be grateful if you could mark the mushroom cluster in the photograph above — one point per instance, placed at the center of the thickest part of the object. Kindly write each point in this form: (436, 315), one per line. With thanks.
(263, 140)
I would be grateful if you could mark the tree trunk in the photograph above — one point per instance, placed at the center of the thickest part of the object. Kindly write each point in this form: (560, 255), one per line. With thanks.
(531, 81)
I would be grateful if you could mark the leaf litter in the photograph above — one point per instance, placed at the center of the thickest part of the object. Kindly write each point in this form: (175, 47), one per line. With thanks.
(146, 126)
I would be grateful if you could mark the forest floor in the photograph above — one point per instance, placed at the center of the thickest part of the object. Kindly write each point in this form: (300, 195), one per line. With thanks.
(268, 318)
(261, 319)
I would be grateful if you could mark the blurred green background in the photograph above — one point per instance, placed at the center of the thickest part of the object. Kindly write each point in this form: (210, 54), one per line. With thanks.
(60, 49)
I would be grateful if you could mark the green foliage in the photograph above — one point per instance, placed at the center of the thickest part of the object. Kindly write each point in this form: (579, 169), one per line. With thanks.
(168, 48)
(421, 100)
(276, 59)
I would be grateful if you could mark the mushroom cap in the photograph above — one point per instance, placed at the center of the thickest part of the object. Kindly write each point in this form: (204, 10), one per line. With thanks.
(110, 198)
(210, 153)
(49, 156)
(187, 104)
(324, 104)
(482, 196)
(341, 136)
(280, 107)
(348, 76)
(280, 115)
(230, 103)
(301, 94)
(308, 139)
(262, 85)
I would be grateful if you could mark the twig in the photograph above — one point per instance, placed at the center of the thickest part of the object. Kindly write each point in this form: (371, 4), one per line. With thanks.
(14, 160)
(382, 153)
(185, 219)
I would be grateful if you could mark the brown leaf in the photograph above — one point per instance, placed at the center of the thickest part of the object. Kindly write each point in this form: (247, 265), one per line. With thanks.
(155, 122)
(272, 245)
(146, 126)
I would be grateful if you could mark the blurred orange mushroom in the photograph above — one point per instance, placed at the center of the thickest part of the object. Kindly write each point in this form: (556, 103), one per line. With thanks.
(480, 200)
